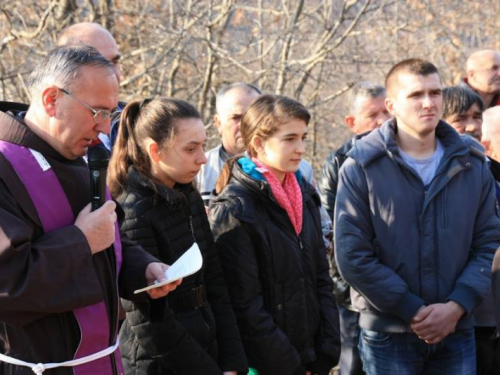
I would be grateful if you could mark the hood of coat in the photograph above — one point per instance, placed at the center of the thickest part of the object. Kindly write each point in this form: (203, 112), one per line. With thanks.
(246, 174)
(382, 142)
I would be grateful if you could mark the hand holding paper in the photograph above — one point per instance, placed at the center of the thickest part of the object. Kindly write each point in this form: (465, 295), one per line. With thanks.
(189, 263)
(156, 271)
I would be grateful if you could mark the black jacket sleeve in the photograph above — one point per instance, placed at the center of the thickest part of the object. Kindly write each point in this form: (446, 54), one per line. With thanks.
(327, 183)
(327, 187)
(328, 337)
(231, 353)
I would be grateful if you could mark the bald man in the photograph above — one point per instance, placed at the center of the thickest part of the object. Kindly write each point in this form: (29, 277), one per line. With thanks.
(483, 76)
(491, 133)
(94, 35)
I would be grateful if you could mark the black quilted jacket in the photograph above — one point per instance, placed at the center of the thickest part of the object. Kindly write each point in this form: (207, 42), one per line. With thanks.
(155, 339)
(279, 284)
(327, 187)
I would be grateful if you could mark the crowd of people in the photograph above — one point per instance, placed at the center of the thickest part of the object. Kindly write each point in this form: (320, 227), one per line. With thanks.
(388, 265)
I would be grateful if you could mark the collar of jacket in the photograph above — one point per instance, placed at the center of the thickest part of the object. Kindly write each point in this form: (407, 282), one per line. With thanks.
(457, 156)
(382, 142)
(246, 172)
(250, 168)
(175, 197)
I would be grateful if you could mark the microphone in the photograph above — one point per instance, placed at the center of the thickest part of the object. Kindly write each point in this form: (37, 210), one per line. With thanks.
(98, 159)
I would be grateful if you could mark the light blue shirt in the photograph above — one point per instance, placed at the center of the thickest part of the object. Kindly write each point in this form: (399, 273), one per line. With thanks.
(425, 168)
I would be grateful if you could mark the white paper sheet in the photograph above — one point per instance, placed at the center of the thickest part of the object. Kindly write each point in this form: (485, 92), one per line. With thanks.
(189, 263)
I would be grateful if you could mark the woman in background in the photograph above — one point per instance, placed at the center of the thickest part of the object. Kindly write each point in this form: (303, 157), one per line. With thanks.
(159, 151)
(267, 226)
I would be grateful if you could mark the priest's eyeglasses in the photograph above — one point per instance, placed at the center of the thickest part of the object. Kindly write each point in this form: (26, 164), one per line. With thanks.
(100, 115)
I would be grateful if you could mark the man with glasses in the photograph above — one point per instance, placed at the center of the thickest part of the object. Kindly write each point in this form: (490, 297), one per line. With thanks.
(62, 267)
(100, 115)
(94, 35)
(483, 76)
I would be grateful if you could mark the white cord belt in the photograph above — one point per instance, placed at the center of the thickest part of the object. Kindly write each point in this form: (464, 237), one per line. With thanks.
(39, 368)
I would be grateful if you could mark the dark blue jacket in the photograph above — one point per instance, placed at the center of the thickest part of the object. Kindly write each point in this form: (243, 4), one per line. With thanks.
(402, 246)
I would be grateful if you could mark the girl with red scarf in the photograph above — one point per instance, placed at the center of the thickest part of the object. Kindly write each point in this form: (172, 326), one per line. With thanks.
(266, 222)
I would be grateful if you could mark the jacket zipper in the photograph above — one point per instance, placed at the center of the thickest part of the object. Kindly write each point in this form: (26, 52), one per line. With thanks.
(191, 226)
(425, 194)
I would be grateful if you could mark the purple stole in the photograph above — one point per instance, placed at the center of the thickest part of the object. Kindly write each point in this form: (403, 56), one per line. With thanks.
(55, 212)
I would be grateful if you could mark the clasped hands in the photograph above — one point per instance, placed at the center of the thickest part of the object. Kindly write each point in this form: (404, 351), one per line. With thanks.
(434, 322)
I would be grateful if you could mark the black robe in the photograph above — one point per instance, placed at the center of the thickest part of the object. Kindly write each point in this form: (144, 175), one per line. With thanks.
(43, 277)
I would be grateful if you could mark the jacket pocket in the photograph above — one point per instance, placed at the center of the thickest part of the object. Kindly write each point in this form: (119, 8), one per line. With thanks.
(278, 306)
(376, 339)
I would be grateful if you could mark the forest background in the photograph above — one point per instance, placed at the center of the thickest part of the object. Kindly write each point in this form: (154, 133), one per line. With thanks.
(313, 51)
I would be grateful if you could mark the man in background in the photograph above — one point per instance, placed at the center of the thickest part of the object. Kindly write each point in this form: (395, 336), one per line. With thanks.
(483, 76)
(367, 111)
(94, 35)
(463, 110)
(231, 102)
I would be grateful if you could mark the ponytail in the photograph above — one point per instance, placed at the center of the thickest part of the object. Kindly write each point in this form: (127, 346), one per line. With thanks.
(141, 120)
(127, 151)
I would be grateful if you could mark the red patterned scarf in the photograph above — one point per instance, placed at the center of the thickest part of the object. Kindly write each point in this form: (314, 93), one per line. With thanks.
(288, 194)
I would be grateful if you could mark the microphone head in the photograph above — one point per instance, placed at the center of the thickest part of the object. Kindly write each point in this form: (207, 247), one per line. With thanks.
(98, 157)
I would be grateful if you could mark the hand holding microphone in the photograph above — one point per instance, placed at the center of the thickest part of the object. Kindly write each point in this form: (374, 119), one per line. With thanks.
(98, 159)
(97, 219)
(98, 226)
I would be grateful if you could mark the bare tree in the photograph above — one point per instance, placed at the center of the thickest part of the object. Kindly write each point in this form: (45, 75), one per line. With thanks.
(313, 50)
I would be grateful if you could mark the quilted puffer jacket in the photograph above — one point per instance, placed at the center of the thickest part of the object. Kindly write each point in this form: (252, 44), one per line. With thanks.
(161, 336)
(278, 282)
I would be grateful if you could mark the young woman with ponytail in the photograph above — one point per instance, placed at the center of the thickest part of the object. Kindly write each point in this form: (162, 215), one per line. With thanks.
(266, 222)
(159, 151)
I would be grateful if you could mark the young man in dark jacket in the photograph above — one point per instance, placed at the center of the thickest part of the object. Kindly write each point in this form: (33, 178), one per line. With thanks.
(415, 251)
(367, 112)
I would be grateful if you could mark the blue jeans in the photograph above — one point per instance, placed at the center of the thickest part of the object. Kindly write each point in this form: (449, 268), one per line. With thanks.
(405, 354)
(350, 361)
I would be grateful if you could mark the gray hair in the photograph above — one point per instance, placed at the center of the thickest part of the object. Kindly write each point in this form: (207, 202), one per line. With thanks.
(491, 123)
(364, 90)
(247, 87)
(63, 65)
